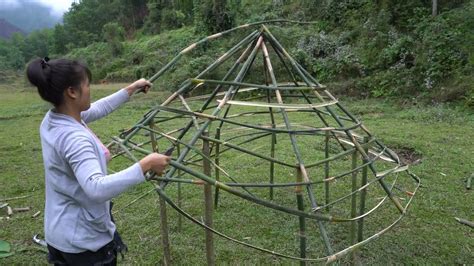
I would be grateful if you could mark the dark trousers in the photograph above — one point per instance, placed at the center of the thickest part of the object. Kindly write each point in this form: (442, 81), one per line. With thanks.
(107, 255)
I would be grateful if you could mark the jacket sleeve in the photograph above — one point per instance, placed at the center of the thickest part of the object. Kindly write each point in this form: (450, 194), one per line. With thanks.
(105, 106)
(80, 154)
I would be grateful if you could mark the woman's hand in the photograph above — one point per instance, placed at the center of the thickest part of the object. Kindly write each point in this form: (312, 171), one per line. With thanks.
(155, 162)
(141, 84)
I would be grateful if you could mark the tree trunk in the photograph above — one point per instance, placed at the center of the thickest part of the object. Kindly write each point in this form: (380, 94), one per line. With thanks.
(434, 10)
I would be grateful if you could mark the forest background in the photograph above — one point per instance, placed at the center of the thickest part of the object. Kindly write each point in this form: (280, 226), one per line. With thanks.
(419, 50)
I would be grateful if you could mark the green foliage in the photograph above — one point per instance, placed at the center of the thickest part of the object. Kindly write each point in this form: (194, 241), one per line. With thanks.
(113, 34)
(382, 48)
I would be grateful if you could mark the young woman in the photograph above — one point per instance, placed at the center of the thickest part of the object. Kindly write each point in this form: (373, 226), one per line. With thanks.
(77, 221)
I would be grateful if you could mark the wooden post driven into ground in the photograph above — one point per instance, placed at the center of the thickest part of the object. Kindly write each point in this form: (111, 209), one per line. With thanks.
(208, 204)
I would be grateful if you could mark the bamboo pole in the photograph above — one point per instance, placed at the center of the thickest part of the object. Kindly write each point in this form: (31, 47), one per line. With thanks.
(326, 169)
(208, 220)
(180, 196)
(163, 215)
(302, 224)
(216, 162)
(363, 195)
(354, 207)
(164, 232)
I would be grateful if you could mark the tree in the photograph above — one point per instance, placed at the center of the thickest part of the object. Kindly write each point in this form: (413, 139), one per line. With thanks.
(113, 34)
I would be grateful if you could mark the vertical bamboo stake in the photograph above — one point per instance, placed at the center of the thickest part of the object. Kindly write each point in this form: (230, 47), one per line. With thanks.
(272, 164)
(273, 139)
(299, 200)
(363, 194)
(210, 254)
(216, 161)
(180, 217)
(164, 232)
(326, 169)
(354, 205)
(163, 215)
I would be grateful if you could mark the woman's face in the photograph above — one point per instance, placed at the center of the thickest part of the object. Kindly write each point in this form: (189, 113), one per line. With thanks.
(85, 95)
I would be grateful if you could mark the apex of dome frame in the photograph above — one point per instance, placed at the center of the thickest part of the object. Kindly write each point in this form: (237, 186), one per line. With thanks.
(342, 175)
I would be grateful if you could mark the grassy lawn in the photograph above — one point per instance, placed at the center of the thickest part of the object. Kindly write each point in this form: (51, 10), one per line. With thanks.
(440, 135)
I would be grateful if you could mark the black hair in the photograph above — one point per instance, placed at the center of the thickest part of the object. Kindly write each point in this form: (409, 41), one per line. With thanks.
(53, 77)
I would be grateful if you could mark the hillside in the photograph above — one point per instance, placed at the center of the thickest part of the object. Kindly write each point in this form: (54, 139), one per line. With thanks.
(408, 49)
(7, 29)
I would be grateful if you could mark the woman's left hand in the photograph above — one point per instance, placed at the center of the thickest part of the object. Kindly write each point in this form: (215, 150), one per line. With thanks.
(141, 84)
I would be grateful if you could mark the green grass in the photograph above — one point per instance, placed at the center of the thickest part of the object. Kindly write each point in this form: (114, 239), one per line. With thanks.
(442, 135)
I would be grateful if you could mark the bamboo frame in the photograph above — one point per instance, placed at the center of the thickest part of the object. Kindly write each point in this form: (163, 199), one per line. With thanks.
(351, 137)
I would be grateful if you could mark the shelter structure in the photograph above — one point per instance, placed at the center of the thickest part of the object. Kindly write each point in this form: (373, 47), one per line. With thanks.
(255, 127)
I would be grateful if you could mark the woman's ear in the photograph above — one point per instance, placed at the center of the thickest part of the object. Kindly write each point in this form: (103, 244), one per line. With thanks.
(71, 93)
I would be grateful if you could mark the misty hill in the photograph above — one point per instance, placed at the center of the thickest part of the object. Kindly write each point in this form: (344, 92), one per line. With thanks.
(28, 15)
(7, 29)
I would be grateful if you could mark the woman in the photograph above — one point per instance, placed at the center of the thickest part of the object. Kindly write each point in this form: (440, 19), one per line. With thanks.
(77, 222)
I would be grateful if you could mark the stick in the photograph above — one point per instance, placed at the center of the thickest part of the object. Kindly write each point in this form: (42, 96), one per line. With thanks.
(25, 209)
(15, 198)
(468, 181)
(465, 222)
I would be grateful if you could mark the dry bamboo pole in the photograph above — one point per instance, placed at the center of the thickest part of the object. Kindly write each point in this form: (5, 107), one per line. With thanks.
(163, 215)
(273, 138)
(395, 201)
(302, 224)
(354, 207)
(206, 166)
(321, 227)
(252, 85)
(326, 169)
(363, 195)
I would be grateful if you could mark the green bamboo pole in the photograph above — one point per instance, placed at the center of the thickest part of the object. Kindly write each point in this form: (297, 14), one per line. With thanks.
(180, 219)
(208, 220)
(302, 224)
(164, 232)
(163, 215)
(326, 169)
(217, 161)
(301, 166)
(354, 207)
(363, 194)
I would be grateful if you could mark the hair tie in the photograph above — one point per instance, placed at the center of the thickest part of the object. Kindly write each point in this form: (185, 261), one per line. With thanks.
(44, 62)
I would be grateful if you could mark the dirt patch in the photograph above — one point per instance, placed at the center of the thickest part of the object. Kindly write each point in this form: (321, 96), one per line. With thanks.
(408, 155)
